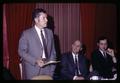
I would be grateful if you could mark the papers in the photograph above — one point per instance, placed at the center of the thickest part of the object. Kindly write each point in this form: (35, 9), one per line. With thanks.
(50, 62)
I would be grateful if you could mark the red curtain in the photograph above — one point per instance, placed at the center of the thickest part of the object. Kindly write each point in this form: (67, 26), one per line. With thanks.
(106, 22)
(87, 19)
(97, 20)
(5, 40)
(18, 17)
(66, 17)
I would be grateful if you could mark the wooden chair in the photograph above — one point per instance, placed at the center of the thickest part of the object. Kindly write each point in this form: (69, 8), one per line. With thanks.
(42, 77)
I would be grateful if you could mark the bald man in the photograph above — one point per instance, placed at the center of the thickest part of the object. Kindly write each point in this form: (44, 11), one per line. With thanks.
(73, 64)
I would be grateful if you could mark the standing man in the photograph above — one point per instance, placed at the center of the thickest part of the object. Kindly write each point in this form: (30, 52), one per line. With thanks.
(103, 59)
(36, 46)
(73, 64)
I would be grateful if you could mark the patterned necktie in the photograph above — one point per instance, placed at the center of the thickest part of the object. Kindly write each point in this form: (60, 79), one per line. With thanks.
(44, 44)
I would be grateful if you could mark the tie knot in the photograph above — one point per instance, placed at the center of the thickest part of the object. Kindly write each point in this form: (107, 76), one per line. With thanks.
(41, 30)
(75, 58)
(75, 55)
(104, 53)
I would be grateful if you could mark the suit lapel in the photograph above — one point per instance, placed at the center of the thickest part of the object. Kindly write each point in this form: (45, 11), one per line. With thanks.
(47, 39)
(79, 61)
(35, 35)
(46, 36)
(71, 59)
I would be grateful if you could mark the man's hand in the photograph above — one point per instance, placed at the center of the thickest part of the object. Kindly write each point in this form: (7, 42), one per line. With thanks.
(79, 78)
(40, 62)
(110, 52)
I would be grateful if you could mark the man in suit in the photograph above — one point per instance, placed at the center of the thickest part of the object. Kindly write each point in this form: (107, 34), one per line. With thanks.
(73, 64)
(103, 59)
(36, 46)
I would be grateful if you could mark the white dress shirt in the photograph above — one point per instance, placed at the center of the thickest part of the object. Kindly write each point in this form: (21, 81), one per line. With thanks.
(39, 35)
(74, 56)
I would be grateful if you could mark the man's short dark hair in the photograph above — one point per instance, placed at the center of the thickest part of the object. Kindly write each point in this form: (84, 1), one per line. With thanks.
(36, 12)
(102, 38)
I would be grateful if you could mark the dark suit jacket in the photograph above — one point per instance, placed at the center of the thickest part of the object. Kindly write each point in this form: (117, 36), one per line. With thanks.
(102, 65)
(68, 67)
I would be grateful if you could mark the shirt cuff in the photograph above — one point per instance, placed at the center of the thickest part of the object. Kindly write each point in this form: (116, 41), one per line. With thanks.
(114, 60)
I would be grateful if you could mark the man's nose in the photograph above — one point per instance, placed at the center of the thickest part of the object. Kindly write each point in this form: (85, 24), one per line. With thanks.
(46, 20)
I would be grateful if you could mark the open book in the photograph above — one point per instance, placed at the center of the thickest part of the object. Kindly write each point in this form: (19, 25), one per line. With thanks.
(50, 62)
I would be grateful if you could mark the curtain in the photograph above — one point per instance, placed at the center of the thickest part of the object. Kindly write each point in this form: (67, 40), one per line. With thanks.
(88, 22)
(106, 22)
(97, 20)
(66, 23)
(5, 40)
(19, 18)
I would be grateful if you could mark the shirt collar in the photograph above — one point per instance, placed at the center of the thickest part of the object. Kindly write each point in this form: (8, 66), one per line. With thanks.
(101, 51)
(38, 28)
(74, 54)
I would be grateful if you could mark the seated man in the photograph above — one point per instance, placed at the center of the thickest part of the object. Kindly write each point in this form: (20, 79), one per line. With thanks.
(103, 59)
(73, 64)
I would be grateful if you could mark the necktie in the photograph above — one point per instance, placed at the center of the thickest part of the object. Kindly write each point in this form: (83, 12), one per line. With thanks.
(104, 54)
(76, 66)
(44, 44)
